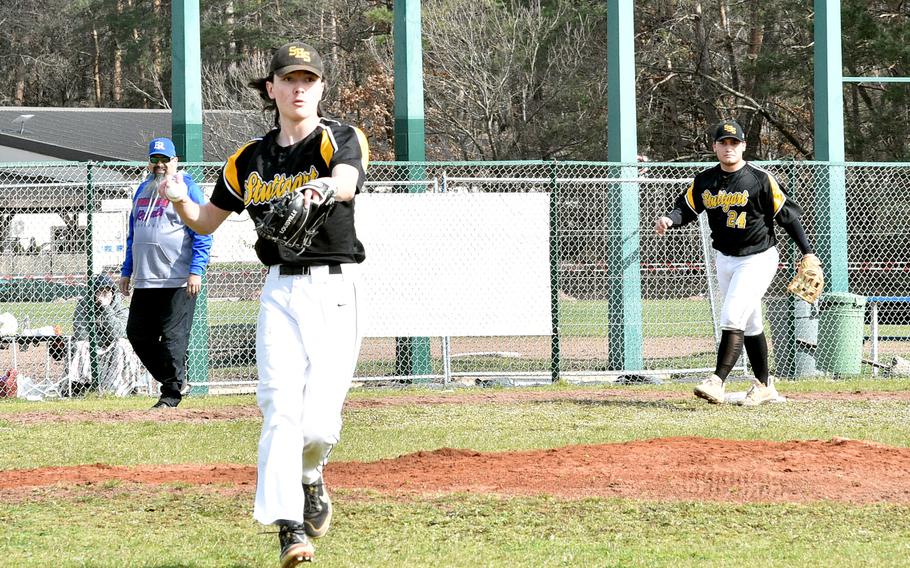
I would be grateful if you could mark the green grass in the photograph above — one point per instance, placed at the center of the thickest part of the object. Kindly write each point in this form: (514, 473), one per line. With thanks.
(109, 526)
(675, 318)
(578, 318)
(372, 433)
(115, 524)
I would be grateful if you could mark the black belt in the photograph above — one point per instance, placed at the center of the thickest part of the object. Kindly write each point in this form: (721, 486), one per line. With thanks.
(297, 270)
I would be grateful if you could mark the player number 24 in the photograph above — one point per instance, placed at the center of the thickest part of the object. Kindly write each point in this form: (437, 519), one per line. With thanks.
(736, 221)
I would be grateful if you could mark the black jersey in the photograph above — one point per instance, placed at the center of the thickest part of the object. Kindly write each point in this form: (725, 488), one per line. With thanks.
(262, 171)
(741, 207)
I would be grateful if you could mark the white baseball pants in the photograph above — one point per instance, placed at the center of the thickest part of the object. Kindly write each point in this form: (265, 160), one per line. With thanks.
(743, 282)
(307, 342)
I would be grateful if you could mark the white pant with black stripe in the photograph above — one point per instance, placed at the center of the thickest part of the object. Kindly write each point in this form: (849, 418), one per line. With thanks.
(307, 342)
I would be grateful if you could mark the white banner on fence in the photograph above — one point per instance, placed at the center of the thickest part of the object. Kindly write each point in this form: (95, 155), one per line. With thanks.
(455, 264)
(109, 235)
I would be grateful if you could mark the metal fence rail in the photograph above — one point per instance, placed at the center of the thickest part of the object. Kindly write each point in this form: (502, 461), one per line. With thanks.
(507, 272)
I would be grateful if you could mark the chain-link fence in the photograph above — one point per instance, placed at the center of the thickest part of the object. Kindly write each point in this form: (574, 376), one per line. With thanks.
(478, 273)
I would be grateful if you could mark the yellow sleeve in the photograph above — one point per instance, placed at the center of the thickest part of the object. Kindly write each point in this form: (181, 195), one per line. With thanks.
(777, 196)
(231, 174)
(690, 197)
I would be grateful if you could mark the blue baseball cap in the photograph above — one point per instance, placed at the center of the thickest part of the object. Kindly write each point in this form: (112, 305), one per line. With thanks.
(162, 147)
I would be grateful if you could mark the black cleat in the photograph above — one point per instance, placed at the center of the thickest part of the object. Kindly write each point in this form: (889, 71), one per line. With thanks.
(317, 509)
(296, 548)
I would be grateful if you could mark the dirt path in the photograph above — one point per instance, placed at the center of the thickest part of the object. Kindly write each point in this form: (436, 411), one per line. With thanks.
(515, 395)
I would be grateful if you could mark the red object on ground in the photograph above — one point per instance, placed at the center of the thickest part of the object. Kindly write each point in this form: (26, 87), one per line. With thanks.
(8, 386)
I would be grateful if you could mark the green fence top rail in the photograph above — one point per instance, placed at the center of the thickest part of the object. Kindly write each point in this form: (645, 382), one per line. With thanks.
(525, 163)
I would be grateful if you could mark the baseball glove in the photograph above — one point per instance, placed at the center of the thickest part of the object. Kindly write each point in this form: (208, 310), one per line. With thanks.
(809, 280)
(291, 224)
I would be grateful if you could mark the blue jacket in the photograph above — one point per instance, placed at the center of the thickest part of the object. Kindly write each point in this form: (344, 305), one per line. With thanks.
(161, 251)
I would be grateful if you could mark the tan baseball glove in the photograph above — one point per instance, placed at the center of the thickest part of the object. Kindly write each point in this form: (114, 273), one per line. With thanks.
(809, 281)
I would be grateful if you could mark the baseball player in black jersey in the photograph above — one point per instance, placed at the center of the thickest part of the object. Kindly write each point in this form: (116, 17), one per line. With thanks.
(307, 337)
(742, 202)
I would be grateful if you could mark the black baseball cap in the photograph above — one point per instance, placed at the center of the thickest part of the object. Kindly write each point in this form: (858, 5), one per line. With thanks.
(295, 56)
(729, 129)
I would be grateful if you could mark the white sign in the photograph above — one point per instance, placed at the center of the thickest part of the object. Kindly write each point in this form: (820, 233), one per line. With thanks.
(455, 264)
(109, 238)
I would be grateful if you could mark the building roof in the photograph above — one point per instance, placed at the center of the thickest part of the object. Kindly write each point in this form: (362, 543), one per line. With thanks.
(105, 134)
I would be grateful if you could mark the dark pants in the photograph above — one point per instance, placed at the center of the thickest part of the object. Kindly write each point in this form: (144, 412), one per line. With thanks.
(158, 328)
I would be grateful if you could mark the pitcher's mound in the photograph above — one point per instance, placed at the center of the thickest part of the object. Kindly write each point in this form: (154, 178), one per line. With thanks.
(685, 468)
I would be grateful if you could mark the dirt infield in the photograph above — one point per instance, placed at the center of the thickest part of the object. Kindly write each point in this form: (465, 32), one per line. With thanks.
(665, 469)
(198, 415)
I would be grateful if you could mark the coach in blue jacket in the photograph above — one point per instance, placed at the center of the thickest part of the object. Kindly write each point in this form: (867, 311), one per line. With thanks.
(164, 262)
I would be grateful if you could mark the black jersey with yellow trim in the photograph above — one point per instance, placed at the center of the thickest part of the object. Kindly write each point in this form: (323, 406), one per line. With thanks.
(741, 207)
(262, 171)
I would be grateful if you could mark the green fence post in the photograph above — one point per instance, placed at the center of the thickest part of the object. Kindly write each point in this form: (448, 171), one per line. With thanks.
(623, 252)
(624, 262)
(198, 364)
(90, 272)
(831, 200)
(554, 275)
(831, 223)
(186, 80)
(186, 127)
(198, 352)
(412, 354)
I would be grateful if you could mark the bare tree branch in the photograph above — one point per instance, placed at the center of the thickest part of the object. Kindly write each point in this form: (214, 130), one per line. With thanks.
(780, 126)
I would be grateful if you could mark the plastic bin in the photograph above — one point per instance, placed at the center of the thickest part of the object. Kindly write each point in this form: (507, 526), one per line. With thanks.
(794, 335)
(840, 333)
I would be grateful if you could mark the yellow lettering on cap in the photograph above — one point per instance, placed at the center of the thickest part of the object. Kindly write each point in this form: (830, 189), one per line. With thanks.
(730, 128)
(299, 53)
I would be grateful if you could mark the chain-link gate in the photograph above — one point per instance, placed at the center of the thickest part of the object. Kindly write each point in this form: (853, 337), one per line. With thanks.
(476, 273)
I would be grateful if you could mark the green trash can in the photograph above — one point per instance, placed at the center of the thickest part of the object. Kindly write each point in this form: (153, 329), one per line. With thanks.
(840, 333)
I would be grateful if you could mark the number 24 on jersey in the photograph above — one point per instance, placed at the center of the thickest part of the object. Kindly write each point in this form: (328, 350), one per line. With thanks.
(736, 221)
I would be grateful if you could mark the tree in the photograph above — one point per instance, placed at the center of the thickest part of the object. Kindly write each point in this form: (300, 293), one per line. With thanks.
(35, 41)
(514, 80)
(877, 43)
(746, 60)
(359, 88)
(504, 79)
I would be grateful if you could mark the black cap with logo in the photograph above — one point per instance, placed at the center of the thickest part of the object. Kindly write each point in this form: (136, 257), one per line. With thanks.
(296, 56)
(729, 129)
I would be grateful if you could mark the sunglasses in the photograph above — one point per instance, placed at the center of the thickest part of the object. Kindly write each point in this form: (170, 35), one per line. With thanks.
(159, 160)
